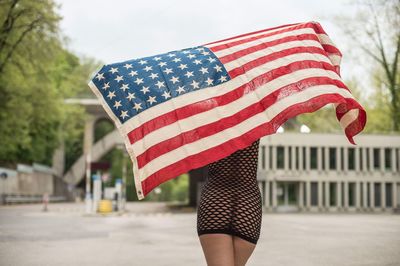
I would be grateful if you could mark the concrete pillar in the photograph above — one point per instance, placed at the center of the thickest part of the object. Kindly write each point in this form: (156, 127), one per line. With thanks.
(274, 158)
(326, 159)
(301, 158)
(308, 194)
(339, 194)
(286, 158)
(308, 158)
(267, 194)
(293, 158)
(320, 204)
(319, 159)
(393, 161)
(394, 194)
(372, 195)
(327, 195)
(274, 194)
(357, 157)
(383, 195)
(358, 196)
(338, 160)
(371, 159)
(267, 155)
(301, 194)
(382, 159)
(365, 195)
(364, 158)
(346, 159)
(346, 195)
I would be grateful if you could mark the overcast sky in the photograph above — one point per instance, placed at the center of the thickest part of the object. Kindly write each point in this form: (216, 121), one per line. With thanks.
(119, 30)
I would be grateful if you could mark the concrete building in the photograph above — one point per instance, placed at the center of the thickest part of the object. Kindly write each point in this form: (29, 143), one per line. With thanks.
(324, 172)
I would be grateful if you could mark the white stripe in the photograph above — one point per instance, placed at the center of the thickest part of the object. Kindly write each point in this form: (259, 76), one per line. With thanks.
(203, 94)
(348, 118)
(239, 129)
(250, 36)
(240, 61)
(233, 49)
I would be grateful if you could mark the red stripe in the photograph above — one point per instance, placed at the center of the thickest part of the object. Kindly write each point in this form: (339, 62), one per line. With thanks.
(227, 122)
(265, 59)
(228, 147)
(250, 33)
(238, 42)
(202, 106)
(246, 51)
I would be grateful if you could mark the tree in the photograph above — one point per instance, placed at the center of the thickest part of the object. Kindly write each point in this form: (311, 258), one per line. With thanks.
(376, 31)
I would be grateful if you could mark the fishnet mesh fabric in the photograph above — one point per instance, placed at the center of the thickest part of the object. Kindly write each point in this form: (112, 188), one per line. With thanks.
(230, 200)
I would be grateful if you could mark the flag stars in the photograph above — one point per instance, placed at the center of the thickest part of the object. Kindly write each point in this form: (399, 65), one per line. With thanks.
(190, 56)
(124, 87)
(168, 71)
(148, 68)
(174, 79)
(200, 49)
(171, 55)
(205, 53)
(180, 89)
(210, 59)
(218, 68)
(157, 58)
(161, 64)
(222, 78)
(137, 106)
(124, 114)
(128, 66)
(145, 89)
(197, 62)
(138, 81)
(182, 66)
(111, 94)
(142, 62)
(100, 76)
(130, 96)
(153, 75)
(160, 84)
(133, 73)
(195, 84)
(189, 74)
(176, 60)
(113, 70)
(106, 86)
(203, 70)
(166, 94)
(152, 99)
(209, 81)
(117, 104)
(119, 78)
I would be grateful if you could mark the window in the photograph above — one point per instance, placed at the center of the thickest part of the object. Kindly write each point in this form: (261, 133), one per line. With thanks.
(290, 158)
(323, 158)
(305, 159)
(351, 159)
(341, 158)
(377, 194)
(270, 157)
(377, 162)
(332, 158)
(280, 154)
(368, 166)
(263, 157)
(388, 158)
(332, 194)
(352, 194)
(361, 152)
(314, 194)
(314, 158)
(297, 158)
(389, 202)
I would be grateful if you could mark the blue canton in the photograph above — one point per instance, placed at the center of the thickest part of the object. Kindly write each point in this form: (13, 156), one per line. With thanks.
(132, 86)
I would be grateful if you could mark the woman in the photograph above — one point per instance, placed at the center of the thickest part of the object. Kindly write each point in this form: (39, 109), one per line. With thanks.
(229, 215)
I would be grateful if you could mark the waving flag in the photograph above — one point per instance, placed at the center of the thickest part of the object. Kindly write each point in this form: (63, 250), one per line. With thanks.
(187, 108)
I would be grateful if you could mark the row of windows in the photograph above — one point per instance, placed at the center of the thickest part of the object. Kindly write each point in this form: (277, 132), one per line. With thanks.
(332, 163)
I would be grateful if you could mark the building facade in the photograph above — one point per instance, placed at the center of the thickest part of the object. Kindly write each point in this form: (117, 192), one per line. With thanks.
(324, 172)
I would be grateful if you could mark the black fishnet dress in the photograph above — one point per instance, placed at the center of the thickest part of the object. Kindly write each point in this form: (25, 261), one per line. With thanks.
(230, 200)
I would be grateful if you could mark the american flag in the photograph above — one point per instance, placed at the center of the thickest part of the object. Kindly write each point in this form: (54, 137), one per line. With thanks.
(184, 109)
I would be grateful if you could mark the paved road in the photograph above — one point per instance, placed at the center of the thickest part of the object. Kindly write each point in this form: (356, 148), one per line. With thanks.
(150, 235)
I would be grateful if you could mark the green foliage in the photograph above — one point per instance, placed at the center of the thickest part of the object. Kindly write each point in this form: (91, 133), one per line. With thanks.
(36, 74)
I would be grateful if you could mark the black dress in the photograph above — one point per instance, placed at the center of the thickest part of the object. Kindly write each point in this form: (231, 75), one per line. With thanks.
(230, 201)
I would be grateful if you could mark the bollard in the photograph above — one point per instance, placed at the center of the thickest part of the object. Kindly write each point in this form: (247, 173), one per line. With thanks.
(45, 201)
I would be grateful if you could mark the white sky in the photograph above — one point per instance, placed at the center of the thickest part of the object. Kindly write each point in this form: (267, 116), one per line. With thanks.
(120, 30)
